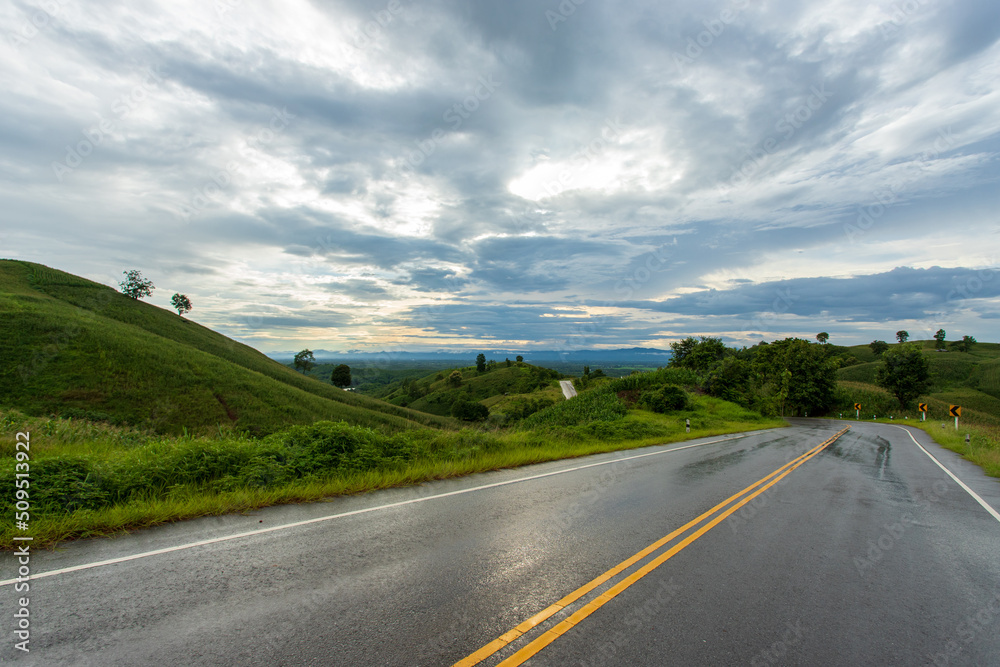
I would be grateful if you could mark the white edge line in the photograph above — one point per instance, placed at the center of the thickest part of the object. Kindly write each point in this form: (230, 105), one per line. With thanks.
(191, 545)
(972, 493)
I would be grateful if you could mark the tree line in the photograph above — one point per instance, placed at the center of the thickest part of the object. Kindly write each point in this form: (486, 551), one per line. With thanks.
(792, 377)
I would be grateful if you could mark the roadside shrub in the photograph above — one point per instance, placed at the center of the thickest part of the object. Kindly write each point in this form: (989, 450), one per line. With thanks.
(665, 399)
(65, 484)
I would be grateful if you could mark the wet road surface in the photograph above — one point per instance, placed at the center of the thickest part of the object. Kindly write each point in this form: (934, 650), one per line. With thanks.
(861, 552)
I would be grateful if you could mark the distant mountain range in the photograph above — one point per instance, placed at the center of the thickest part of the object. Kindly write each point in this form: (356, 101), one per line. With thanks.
(645, 355)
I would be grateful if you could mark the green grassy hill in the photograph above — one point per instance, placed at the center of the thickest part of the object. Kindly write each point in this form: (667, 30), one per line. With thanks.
(435, 394)
(74, 348)
(970, 379)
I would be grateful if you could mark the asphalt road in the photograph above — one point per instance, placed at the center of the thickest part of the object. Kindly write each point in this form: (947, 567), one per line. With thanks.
(866, 552)
(568, 390)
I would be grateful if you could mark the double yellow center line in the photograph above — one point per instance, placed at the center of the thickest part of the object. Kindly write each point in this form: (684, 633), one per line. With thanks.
(729, 505)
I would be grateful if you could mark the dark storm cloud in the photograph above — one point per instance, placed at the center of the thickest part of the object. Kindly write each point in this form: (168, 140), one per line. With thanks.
(900, 294)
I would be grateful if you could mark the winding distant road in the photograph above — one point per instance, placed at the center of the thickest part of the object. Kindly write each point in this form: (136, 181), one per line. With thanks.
(567, 388)
(774, 547)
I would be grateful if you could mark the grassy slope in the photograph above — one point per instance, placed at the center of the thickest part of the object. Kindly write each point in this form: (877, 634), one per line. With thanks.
(488, 388)
(74, 347)
(970, 379)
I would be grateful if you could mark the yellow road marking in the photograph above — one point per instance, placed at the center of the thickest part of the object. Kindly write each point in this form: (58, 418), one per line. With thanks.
(550, 636)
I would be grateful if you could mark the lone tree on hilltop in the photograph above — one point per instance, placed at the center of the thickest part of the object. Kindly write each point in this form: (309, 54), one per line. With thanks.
(135, 285)
(481, 362)
(822, 336)
(519, 359)
(902, 335)
(878, 347)
(939, 338)
(341, 376)
(181, 303)
(904, 372)
(965, 344)
(304, 361)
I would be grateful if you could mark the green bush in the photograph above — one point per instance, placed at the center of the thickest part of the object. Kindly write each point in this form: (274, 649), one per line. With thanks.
(470, 411)
(665, 399)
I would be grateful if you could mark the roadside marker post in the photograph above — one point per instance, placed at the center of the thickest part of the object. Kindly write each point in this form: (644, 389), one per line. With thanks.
(923, 411)
(956, 412)
(687, 425)
(857, 411)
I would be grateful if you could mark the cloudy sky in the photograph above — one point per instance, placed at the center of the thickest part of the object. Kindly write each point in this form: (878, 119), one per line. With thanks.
(423, 174)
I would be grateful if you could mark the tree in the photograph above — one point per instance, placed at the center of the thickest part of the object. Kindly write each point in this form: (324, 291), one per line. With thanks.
(731, 381)
(878, 347)
(481, 362)
(904, 372)
(939, 337)
(304, 361)
(455, 379)
(902, 335)
(181, 303)
(822, 336)
(586, 371)
(470, 411)
(697, 355)
(519, 359)
(507, 362)
(341, 376)
(795, 377)
(964, 345)
(135, 285)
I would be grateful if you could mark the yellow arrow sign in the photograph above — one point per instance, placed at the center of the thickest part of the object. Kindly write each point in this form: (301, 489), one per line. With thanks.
(857, 406)
(955, 410)
(922, 407)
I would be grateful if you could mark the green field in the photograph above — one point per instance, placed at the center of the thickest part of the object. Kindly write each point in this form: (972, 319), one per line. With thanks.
(77, 349)
(970, 379)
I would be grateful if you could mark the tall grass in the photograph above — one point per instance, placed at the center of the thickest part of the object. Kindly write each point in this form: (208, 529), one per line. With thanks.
(119, 479)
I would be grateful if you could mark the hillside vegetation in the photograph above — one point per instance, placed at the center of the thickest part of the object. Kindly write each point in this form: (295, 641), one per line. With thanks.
(74, 348)
(970, 379)
(502, 388)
